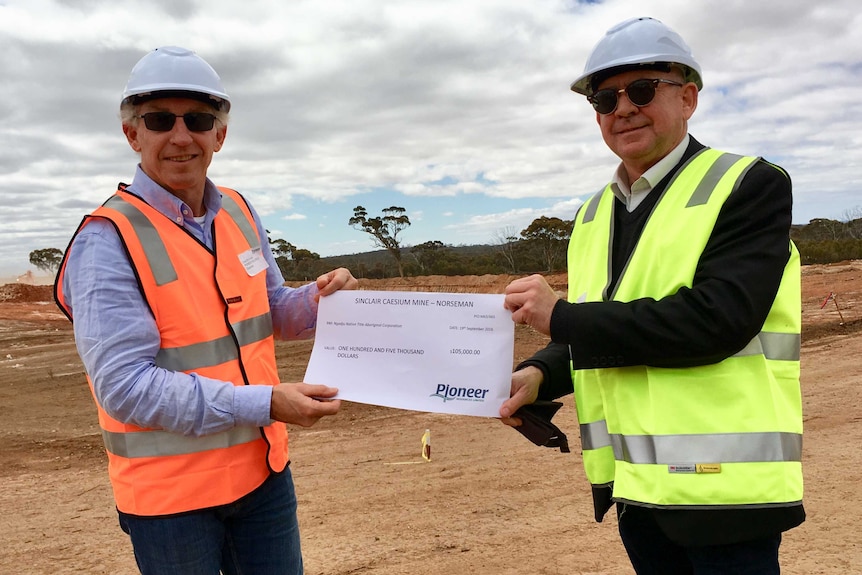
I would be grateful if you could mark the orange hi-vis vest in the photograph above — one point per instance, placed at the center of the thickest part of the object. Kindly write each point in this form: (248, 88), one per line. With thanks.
(214, 320)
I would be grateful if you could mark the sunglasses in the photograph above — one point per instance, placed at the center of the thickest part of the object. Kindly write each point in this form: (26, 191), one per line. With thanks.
(164, 121)
(640, 93)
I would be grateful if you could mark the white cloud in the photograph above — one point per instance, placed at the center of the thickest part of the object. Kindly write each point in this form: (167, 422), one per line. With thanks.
(465, 100)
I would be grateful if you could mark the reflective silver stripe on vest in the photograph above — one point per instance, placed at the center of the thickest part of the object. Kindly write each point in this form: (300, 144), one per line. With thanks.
(592, 207)
(162, 443)
(710, 180)
(773, 345)
(154, 248)
(232, 208)
(595, 435)
(708, 448)
(217, 351)
(253, 329)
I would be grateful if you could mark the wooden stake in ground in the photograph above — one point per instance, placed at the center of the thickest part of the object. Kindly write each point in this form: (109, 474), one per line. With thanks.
(426, 445)
(834, 299)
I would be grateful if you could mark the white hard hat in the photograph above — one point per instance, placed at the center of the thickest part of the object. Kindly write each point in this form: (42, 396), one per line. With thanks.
(637, 42)
(172, 70)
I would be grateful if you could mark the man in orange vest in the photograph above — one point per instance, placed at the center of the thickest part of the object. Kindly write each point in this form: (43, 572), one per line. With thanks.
(176, 301)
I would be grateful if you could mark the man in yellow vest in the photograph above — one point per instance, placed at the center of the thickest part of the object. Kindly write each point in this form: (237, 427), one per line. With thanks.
(681, 333)
(176, 300)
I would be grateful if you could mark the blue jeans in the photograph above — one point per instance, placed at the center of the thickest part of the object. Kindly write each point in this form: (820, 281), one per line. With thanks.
(256, 535)
(652, 553)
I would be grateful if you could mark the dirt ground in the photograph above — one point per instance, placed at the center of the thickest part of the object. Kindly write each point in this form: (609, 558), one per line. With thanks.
(488, 502)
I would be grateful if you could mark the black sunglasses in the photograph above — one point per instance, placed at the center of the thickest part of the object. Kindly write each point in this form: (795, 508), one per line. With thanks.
(164, 121)
(640, 93)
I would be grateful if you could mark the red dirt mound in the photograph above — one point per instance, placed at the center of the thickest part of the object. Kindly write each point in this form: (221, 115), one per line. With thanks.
(24, 293)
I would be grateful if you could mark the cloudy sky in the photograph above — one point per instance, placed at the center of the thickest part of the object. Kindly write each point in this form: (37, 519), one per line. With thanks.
(458, 111)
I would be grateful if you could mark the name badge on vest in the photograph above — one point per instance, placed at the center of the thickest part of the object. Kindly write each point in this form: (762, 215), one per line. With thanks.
(253, 261)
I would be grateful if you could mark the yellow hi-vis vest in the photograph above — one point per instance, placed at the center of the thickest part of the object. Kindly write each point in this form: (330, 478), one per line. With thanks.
(727, 435)
(214, 320)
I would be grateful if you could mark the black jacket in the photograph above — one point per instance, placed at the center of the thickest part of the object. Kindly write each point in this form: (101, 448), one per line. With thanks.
(736, 281)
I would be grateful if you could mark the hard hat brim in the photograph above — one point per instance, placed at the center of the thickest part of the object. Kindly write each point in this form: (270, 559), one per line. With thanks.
(215, 102)
(586, 83)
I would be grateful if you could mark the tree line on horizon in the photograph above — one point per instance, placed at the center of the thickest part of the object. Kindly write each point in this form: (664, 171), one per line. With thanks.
(539, 248)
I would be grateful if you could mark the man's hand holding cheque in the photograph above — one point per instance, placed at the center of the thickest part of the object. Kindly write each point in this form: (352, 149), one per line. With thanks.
(531, 301)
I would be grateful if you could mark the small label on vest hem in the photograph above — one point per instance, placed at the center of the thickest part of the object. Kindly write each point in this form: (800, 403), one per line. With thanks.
(695, 468)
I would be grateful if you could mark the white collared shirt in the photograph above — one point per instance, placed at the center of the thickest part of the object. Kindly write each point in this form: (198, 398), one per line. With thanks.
(634, 195)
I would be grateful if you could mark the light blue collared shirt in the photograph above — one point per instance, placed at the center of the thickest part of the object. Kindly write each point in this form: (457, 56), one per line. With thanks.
(118, 339)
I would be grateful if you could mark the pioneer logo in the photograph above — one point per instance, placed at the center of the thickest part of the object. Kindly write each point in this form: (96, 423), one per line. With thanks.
(448, 392)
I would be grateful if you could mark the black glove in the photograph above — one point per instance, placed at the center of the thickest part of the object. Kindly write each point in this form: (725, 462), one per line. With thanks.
(537, 427)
